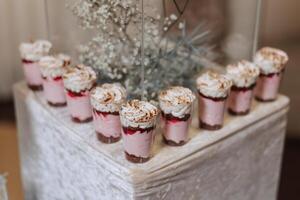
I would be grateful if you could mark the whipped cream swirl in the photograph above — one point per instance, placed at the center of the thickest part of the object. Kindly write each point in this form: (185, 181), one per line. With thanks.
(176, 101)
(270, 60)
(214, 85)
(34, 51)
(51, 66)
(79, 78)
(243, 73)
(108, 97)
(65, 58)
(138, 114)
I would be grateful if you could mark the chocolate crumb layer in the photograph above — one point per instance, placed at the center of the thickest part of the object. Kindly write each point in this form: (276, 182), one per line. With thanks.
(172, 143)
(76, 120)
(232, 112)
(209, 127)
(35, 87)
(264, 100)
(57, 104)
(107, 140)
(135, 159)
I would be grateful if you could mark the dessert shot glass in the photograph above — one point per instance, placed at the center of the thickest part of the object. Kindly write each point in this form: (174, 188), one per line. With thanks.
(106, 101)
(31, 53)
(272, 63)
(78, 82)
(213, 89)
(176, 106)
(52, 68)
(243, 75)
(138, 119)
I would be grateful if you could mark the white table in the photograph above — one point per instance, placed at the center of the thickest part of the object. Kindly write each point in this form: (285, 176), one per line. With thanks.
(3, 192)
(64, 160)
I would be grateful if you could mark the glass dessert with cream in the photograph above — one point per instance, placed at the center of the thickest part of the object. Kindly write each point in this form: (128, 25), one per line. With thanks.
(176, 105)
(213, 89)
(78, 82)
(243, 75)
(106, 101)
(52, 68)
(31, 53)
(272, 63)
(65, 58)
(138, 119)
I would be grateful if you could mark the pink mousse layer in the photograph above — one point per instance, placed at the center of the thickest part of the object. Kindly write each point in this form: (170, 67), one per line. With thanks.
(267, 86)
(32, 73)
(211, 111)
(54, 90)
(240, 100)
(176, 130)
(79, 106)
(107, 124)
(139, 143)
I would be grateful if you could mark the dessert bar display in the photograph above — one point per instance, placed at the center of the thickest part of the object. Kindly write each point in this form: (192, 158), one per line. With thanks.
(240, 161)
(31, 53)
(176, 104)
(106, 101)
(52, 69)
(272, 64)
(78, 82)
(213, 92)
(137, 122)
(158, 100)
(244, 75)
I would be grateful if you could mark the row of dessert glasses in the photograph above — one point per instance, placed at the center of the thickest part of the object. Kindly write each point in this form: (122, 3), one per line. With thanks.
(135, 121)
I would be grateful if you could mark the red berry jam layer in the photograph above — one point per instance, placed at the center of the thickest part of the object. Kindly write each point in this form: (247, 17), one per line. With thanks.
(58, 78)
(271, 75)
(131, 130)
(75, 94)
(104, 114)
(213, 98)
(242, 89)
(174, 119)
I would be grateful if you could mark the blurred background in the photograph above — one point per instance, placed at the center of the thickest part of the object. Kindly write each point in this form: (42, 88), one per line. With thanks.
(25, 20)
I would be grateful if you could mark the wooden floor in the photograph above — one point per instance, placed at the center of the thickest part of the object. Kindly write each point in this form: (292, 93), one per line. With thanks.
(9, 160)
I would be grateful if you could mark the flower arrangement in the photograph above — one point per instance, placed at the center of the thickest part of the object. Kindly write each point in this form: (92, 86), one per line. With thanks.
(115, 50)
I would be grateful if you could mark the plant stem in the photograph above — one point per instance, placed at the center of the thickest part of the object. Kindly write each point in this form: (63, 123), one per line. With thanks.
(143, 55)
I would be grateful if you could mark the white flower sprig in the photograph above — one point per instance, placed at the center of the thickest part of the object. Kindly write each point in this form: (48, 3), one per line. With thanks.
(116, 48)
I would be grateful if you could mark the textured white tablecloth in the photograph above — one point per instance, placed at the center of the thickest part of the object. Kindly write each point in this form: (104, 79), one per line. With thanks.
(3, 192)
(64, 160)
